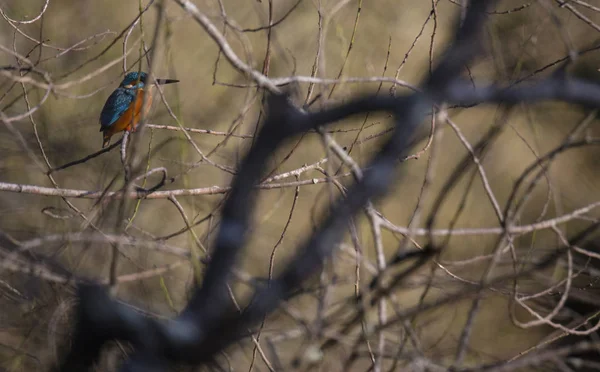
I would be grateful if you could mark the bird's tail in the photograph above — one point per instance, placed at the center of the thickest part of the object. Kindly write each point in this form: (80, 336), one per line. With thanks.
(105, 141)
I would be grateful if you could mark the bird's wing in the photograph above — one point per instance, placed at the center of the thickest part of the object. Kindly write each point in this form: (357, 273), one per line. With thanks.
(115, 106)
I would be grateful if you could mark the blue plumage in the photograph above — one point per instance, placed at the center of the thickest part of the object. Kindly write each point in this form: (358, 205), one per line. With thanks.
(116, 104)
(135, 79)
(121, 98)
(121, 110)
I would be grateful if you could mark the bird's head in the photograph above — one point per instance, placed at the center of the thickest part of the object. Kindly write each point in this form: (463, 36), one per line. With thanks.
(139, 80)
(134, 80)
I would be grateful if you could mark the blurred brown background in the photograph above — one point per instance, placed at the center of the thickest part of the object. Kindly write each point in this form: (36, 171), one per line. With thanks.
(518, 43)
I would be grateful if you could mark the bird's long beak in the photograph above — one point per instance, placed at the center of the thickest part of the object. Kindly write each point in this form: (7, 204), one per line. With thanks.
(166, 81)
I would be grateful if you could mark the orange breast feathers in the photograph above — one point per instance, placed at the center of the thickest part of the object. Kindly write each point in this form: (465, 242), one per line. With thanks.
(131, 117)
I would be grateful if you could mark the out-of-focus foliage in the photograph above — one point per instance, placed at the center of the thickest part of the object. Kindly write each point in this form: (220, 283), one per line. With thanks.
(377, 41)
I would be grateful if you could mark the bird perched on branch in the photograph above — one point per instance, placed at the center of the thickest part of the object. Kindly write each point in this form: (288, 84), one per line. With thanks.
(123, 108)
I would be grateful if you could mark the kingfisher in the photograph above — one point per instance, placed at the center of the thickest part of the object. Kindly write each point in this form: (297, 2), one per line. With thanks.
(123, 108)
